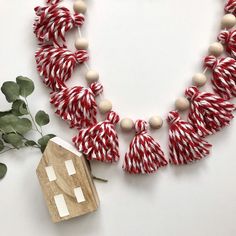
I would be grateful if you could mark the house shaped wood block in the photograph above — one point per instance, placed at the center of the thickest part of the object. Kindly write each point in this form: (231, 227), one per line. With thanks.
(66, 181)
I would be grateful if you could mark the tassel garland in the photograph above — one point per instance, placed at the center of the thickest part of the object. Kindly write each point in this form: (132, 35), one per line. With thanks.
(100, 142)
(185, 144)
(230, 7)
(228, 39)
(57, 64)
(77, 105)
(53, 21)
(208, 113)
(144, 155)
(224, 75)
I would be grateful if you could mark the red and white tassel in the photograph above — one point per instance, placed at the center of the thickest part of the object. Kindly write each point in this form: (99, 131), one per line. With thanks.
(228, 39)
(230, 7)
(57, 64)
(185, 144)
(53, 1)
(100, 142)
(53, 21)
(77, 105)
(144, 155)
(209, 113)
(224, 75)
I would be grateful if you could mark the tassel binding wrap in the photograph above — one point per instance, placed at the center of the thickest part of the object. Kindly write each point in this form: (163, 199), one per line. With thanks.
(56, 65)
(144, 155)
(185, 144)
(224, 75)
(208, 113)
(77, 105)
(228, 39)
(100, 142)
(230, 7)
(52, 22)
(53, 1)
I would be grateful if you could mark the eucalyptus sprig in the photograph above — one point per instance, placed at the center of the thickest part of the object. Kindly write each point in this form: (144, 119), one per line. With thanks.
(18, 121)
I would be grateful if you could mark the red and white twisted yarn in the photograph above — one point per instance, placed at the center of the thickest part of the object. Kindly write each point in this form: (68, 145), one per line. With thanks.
(55, 64)
(209, 113)
(77, 105)
(100, 142)
(228, 39)
(53, 1)
(53, 21)
(185, 145)
(230, 6)
(144, 155)
(224, 75)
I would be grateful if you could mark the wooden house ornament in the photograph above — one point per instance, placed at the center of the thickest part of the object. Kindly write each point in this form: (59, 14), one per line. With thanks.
(66, 181)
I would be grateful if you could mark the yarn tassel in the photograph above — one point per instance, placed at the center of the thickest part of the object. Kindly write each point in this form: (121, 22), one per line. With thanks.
(209, 113)
(230, 7)
(228, 39)
(52, 1)
(185, 144)
(100, 142)
(53, 21)
(57, 64)
(144, 155)
(77, 105)
(224, 75)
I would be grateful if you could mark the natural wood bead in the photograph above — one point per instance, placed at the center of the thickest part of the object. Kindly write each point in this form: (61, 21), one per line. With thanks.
(155, 122)
(216, 49)
(92, 76)
(199, 79)
(182, 104)
(105, 106)
(80, 6)
(228, 21)
(127, 124)
(81, 44)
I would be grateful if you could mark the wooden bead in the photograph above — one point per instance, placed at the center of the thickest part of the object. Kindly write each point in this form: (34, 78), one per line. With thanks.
(127, 124)
(81, 44)
(105, 106)
(92, 76)
(199, 79)
(80, 6)
(216, 49)
(155, 122)
(228, 21)
(182, 104)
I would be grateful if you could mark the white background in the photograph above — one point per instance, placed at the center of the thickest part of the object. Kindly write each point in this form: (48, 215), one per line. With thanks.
(146, 53)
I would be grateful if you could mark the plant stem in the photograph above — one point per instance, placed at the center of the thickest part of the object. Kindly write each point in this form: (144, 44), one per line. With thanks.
(100, 179)
(32, 118)
(9, 149)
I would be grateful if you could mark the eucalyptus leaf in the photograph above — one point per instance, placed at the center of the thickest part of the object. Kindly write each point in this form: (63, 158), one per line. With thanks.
(1, 145)
(30, 143)
(26, 86)
(44, 141)
(42, 118)
(3, 113)
(19, 108)
(14, 139)
(3, 170)
(11, 90)
(23, 126)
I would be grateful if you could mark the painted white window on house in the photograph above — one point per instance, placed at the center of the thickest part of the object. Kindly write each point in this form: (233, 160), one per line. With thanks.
(61, 205)
(50, 173)
(70, 167)
(79, 195)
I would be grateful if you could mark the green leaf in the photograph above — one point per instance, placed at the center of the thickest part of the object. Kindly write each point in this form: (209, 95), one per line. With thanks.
(30, 143)
(42, 118)
(11, 91)
(3, 113)
(7, 123)
(3, 170)
(1, 145)
(26, 86)
(14, 139)
(12, 123)
(44, 141)
(19, 108)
